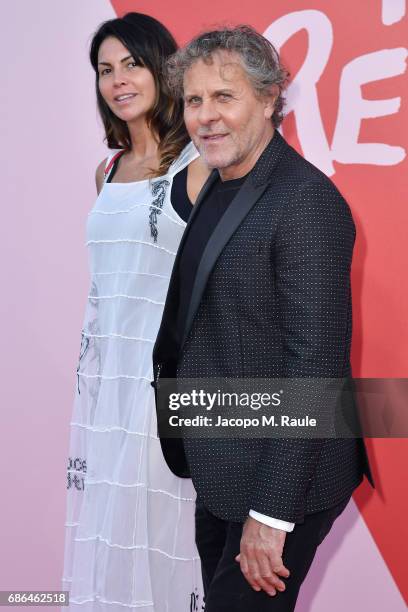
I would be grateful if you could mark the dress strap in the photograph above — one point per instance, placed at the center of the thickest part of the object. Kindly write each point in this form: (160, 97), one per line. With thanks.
(110, 163)
(187, 155)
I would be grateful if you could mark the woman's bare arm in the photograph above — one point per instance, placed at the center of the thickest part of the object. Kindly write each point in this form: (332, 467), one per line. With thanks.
(99, 175)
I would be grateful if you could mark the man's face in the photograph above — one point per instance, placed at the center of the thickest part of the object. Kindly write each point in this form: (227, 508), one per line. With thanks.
(228, 122)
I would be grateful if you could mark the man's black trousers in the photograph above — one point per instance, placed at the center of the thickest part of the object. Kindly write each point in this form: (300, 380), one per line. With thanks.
(225, 587)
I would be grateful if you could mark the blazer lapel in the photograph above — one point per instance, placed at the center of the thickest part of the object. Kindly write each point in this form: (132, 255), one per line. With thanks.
(229, 223)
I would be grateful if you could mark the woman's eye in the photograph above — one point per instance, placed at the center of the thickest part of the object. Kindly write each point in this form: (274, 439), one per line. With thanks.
(132, 64)
(105, 71)
(194, 100)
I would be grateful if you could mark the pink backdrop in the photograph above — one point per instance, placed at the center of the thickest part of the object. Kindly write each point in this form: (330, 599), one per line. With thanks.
(52, 142)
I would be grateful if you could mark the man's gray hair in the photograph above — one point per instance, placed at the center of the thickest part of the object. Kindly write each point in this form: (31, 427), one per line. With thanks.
(259, 59)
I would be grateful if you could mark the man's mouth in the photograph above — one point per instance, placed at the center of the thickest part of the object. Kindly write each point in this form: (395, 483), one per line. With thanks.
(213, 137)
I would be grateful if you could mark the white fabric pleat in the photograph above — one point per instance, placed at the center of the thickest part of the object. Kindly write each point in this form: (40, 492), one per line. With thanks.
(130, 521)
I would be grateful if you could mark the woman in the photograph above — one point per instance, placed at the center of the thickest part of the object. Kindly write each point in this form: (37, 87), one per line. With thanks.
(130, 529)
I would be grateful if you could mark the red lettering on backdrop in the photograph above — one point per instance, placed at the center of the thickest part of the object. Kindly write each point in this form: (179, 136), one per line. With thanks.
(348, 111)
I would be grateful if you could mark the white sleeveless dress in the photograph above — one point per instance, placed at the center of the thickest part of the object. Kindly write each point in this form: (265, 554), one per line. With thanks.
(130, 521)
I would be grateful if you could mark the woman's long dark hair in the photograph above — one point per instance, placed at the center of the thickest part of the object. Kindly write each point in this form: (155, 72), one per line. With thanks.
(150, 43)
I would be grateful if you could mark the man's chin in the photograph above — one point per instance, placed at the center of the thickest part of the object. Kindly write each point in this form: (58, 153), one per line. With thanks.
(214, 161)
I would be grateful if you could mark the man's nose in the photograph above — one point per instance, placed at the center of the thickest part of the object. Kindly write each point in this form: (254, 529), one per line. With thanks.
(208, 112)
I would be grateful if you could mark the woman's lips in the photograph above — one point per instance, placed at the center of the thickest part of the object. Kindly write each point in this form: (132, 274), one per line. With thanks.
(124, 98)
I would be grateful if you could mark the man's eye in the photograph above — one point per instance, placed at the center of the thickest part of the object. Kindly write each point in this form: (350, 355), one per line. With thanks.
(105, 71)
(132, 64)
(224, 96)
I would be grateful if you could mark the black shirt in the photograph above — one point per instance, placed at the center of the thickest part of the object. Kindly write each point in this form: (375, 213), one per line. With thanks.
(207, 218)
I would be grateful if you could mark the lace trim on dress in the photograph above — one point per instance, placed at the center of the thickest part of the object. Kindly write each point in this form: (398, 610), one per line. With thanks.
(141, 604)
(130, 241)
(128, 210)
(115, 377)
(134, 547)
(113, 428)
(130, 272)
(123, 295)
(112, 335)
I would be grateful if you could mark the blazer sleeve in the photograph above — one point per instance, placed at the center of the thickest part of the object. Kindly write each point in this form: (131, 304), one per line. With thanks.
(312, 260)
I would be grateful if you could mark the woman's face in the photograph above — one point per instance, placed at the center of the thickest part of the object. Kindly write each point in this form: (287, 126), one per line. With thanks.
(129, 90)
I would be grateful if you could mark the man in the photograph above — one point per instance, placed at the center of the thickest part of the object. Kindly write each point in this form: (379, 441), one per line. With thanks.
(260, 288)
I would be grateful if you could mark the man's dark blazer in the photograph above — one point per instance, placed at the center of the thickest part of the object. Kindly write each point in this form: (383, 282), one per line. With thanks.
(271, 298)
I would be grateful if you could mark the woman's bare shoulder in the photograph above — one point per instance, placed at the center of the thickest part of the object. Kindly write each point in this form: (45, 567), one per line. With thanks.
(198, 173)
(198, 166)
(99, 174)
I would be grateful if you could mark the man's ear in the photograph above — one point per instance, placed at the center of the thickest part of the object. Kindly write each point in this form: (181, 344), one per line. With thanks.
(270, 99)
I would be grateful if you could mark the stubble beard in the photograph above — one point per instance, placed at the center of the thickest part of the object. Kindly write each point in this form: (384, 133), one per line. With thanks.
(219, 160)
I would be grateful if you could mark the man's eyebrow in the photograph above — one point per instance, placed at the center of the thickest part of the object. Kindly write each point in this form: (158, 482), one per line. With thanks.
(217, 92)
(121, 61)
(224, 90)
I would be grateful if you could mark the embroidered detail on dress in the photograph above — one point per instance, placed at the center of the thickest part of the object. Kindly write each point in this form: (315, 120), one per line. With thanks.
(159, 189)
(195, 602)
(82, 351)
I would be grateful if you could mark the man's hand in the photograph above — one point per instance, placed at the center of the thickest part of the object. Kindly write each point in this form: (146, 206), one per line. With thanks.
(260, 557)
